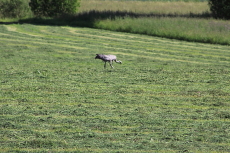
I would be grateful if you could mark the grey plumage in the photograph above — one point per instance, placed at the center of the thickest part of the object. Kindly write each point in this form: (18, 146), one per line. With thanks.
(107, 58)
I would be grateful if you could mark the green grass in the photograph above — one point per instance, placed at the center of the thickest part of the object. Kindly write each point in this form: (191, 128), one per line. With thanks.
(194, 30)
(166, 96)
(145, 7)
(156, 0)
(190, 21)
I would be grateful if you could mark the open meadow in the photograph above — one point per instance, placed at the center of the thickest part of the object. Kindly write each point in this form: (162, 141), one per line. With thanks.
(166, 96)
(146, 7)
(189, 20)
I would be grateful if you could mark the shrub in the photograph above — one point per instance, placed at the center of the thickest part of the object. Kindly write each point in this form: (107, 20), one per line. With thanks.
(14, 8)
(53, 8)
(220, 8)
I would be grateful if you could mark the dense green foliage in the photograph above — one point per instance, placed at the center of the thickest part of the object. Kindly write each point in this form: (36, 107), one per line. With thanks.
(166, 96)
(53, 8)
(220, 8)
(14, 8)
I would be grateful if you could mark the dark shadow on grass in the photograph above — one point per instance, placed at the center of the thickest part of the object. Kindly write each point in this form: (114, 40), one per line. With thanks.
(7, 23)
(88, 19)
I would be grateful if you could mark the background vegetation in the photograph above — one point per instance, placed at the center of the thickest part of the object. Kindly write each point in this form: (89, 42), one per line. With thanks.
(147, 7)
(166, 96)
(53, 8)
(220, 8)
(14, 9)
(199, 30)
(189, 21)
(184, 20)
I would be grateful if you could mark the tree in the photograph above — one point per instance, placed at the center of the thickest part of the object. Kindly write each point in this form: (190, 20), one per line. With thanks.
(54, 8)
(14, 8)
(220, 8)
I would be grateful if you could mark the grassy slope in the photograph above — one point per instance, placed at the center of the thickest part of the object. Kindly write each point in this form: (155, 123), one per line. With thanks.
(167, 96)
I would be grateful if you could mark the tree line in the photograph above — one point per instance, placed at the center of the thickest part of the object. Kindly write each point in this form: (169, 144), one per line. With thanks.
(220, 9)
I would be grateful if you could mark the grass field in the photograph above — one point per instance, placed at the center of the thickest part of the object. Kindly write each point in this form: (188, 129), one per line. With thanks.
(146, 7)
(166, 96)
(152, 0)
(190, 21)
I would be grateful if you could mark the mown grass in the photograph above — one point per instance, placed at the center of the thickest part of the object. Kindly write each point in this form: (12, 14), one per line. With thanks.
(167, 96)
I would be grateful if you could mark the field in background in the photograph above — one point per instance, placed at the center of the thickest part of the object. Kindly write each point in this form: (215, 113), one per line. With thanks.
(183, 20)
(167, 96)
(153, 0)
(189, 29)
(190, 21)
(145, 7)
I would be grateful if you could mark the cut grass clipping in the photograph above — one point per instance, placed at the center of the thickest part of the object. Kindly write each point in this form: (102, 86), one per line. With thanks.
(166, 96)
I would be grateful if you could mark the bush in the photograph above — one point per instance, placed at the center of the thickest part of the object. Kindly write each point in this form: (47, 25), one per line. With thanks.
(220, 8)
(53, 8)
(14, 8)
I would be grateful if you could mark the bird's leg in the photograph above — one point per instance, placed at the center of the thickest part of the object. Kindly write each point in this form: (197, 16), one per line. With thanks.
(111, 64)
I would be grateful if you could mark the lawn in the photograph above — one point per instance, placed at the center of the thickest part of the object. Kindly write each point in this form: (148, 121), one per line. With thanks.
(166, 96)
